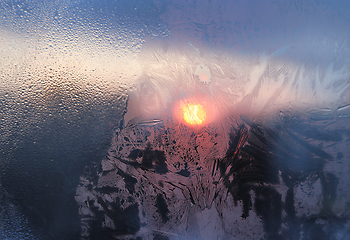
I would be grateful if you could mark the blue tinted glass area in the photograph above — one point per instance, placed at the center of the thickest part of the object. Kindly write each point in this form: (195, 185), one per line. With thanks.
(174, 119)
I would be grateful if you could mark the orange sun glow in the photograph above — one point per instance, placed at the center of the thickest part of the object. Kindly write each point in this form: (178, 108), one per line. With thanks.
(194, 114)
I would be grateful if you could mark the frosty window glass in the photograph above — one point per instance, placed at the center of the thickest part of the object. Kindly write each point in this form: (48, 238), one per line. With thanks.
(159, 119)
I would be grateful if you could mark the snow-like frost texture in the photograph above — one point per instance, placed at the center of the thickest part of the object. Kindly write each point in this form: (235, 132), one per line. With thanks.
(255, 85)
(254, 181)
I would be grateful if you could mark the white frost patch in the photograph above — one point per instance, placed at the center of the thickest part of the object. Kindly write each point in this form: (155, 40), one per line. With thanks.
(210, 225)
(111, 179)
(178, 193)
(108, 222)
(249, 228)
(203, 73)
(308, 198)
(107, 165)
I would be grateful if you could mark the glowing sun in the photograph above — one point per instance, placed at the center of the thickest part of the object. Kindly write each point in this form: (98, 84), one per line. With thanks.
(194, 114)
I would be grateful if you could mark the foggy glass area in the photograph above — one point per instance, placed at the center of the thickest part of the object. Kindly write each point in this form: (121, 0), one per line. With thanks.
(161, 119)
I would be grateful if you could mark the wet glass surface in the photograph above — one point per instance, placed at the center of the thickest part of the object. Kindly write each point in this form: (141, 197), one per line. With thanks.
(174, 119)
